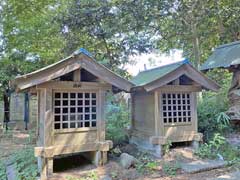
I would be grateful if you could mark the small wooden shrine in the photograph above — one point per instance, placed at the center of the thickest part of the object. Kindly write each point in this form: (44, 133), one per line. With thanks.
(164, 105)
(227, 57)
(71, 96)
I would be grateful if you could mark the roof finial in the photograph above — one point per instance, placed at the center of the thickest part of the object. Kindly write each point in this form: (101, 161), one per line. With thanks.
(82, 50)
(145, 67)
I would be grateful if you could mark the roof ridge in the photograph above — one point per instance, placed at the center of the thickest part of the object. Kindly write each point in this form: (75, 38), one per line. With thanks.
(228, 44)
(185, 61)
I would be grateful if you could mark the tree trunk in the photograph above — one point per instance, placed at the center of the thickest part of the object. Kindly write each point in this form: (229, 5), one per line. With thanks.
(6, 100)
(234, 96)
(196, 48)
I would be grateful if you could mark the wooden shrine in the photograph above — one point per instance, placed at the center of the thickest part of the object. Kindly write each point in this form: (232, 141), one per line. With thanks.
(164, 105)
(71, 96)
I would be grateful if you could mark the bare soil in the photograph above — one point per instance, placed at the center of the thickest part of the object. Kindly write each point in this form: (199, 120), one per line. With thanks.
(78, 167)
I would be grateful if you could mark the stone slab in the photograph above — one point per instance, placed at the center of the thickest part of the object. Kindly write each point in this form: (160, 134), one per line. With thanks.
(230, 176)
(202, 165)
(11, 172)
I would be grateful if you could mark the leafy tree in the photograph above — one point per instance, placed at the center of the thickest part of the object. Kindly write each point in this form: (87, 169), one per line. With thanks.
(29, 40)
(110, 30)
(198, 26)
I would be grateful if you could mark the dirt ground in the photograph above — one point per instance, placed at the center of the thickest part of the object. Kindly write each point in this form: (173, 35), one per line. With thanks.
(78, 167)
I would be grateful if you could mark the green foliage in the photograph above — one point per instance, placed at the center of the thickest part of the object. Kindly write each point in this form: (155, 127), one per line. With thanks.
(211, 149)
(3, 175)
(198, 26)
(117, 119)
(170, 168)
(212, 108)
(166, 147)
(91, 176)
(218, 146)
(26, 164)
(146, 164)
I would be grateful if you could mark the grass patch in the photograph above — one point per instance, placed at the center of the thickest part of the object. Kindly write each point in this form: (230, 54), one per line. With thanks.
(170, 168)
(217, 148)
(2, 171)
(25, 163)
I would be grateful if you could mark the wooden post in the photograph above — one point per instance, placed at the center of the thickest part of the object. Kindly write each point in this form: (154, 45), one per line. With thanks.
(48, 118)
(160, 121)
(101, 115)
(194, 110)
(47, 162)
(157, 117)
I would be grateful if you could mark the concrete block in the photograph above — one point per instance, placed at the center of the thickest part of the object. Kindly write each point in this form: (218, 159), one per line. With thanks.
(195, 145)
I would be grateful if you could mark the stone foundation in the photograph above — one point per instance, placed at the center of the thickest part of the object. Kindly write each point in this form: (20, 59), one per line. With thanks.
(145, 145)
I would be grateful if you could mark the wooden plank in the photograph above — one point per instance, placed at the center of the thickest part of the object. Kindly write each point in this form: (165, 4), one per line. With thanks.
(180, 88)
(158, 140)
(105, 74)
(74, 130)
(26, 83)
(156, 113)
(187, 70)
(160, 121)
(199, 77)
(194, 111)
(75, 138)
(70, 64)
(75, 86)
(48, 118)
(77, 75)
(101, 115)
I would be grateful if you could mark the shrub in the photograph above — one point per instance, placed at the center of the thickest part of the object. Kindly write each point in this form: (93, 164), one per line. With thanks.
(170, 168)
(211, 149)
(146, 164)
(25, 163)
(117, 119)
(212, 106)
(218, 147)
(211, 114)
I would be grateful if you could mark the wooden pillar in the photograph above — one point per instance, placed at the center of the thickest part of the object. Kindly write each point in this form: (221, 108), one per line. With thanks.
(194, 110)
(101, 115)
(156, 114)
(48, 118)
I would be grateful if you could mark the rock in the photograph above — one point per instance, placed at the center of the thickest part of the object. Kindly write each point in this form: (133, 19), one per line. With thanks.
(116, 150)
(202, 165)
(105, 177)
(127, 160)
(228, 176)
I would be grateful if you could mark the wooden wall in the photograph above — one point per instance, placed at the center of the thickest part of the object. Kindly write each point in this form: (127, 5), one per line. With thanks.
(143, 113)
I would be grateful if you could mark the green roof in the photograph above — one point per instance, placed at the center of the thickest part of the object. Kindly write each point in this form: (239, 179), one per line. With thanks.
(151, 75)
(223, 56)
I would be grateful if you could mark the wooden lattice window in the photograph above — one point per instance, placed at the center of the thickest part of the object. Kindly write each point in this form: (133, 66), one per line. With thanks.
(75, 110)
(176, 108)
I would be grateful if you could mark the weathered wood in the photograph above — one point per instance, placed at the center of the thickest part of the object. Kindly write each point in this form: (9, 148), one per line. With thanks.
(187, 70)
(105, 74)
(77, 86)
(26, 83)
(144, 109)
(68, 65)
(74, 138)
(158, 140)
(77, 75)
(101, 117)
(180, 88)
(48, 117)
(157, 116)
(52, 151)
